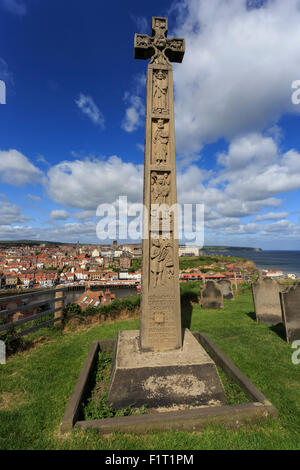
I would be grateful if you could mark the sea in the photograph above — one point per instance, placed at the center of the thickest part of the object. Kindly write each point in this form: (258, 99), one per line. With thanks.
(286, 261)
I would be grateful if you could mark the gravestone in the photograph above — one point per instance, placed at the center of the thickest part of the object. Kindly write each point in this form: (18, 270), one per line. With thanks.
(226, 288)
(161, 364)
(290, 299)
(212, 296)
(266, 299)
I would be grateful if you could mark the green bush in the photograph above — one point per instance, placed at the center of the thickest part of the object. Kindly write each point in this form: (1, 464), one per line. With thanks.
(72, 310)
(244, 287)
(111, 310)
(199, 261)
(12, 341)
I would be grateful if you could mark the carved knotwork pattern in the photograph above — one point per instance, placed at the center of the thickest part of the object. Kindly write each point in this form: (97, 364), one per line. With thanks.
(157, 45)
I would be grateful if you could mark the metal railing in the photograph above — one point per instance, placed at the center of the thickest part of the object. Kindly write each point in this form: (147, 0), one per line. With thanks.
(26, 302)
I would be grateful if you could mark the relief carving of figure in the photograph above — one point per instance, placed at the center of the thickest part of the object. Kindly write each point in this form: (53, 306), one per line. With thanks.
(160, 92)
(160, 187)
(162, 262)
(161, 140)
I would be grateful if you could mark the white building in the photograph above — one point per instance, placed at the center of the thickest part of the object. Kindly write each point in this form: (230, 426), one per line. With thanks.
(117, 253)
(95, 253)
(81, 276)
(188, 250)
(125, 275)
(274, 274)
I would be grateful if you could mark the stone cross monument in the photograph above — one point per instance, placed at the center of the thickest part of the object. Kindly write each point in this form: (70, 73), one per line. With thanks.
(155, 366)
(160, 307)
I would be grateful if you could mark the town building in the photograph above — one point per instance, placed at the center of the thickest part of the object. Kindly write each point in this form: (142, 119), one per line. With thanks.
(95, 298)
(186, 250)
(125, 260)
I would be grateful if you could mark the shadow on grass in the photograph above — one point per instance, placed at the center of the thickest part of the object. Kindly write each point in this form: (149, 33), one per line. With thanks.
(252, 315)
(187, 301)
(279, 329)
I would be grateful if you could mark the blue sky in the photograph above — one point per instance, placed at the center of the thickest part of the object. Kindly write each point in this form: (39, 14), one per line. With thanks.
(72, 128)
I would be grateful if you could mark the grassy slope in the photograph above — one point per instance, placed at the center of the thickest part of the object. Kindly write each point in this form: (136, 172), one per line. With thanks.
(35, 387)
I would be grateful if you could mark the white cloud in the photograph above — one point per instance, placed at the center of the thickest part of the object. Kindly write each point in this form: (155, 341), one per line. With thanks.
(140, 147)
(17, 170)
(251, 149)
(135, 113)
(243, 229)
(88, 183)
(5, 74)
(10, 213)
(84, 184)
(42, 159)
(84, 215)
(59, 215)
(230, 207)
(222, 222)
(280, 226)
(34, 198)
(71, 230)
(18, 7)
(141, 23)
(65, 233)
(237, 71)
(271, 216)
(87, 105)
(265, 171)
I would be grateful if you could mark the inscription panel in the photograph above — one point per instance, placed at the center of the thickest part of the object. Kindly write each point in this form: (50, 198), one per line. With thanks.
(162, 326)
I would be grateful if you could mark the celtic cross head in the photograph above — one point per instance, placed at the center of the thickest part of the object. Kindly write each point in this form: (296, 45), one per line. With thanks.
(159, 48)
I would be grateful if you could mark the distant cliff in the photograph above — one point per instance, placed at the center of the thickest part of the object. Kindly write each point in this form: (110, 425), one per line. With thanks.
(230, 248)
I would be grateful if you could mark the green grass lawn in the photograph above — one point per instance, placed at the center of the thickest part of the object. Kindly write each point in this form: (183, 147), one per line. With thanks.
(35, 386)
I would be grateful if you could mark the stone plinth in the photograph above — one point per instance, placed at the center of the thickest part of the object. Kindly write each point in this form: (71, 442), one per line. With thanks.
(182, 376)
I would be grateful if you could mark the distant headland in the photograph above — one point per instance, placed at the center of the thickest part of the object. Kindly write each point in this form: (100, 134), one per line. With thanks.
(230, 248)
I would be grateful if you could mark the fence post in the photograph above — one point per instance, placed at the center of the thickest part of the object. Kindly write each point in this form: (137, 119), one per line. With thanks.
(235, 281)
(59, 303)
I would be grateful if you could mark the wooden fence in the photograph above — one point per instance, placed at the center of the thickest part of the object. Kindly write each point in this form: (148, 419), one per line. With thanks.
(26, 302)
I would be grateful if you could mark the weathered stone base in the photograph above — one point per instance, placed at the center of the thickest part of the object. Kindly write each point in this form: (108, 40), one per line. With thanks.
(194, 419)
(184, 376)
(268, 318)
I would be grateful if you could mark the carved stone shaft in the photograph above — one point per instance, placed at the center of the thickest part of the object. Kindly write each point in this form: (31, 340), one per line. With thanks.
(161, 365)
(160, 306)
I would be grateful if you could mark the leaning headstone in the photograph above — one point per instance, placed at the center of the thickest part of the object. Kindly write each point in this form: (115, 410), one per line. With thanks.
(290, 299)
(212, 296)
(266, 301)
(226, 288)
(161, 364)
